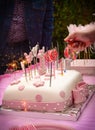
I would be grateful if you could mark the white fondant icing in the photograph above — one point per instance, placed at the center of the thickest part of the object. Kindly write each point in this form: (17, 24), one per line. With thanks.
(63, 83)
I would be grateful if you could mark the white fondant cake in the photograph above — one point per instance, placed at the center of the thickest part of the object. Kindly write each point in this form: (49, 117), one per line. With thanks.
(36, 94)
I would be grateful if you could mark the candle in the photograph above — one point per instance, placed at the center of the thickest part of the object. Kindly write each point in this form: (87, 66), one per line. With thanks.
(57, 56)
(64, 65)
(61, 66)
(24, 105)
(42, 65)
(14, 66)
(23, 63)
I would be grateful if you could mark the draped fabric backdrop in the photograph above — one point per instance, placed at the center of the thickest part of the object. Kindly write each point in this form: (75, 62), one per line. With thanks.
(22, 21)
(17, 31)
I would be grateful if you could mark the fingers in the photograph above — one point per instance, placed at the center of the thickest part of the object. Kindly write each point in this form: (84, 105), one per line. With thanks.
(77, 46)
(70, 38)
(75, 42)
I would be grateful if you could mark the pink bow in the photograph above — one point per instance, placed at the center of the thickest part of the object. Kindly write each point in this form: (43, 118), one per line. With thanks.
(80, 93)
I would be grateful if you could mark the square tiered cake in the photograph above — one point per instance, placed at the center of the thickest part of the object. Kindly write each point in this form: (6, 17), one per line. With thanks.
(36, 94)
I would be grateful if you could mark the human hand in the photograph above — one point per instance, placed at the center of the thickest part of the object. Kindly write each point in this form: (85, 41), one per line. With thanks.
(78, 41)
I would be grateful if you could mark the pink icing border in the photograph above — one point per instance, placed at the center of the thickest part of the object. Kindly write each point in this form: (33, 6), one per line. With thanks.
(36, 106)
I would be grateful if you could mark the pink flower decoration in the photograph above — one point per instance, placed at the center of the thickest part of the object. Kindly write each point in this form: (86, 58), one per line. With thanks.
(38, 98)
(21, 88)
(62, 94)
(15, 82)
(38, 83)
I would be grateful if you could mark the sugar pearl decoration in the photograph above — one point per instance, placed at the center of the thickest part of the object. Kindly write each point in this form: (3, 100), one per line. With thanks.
(35, 105)
(47, 105)
(57, 104)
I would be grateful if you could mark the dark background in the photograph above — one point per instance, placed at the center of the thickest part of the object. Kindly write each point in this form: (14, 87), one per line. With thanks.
(72, 12)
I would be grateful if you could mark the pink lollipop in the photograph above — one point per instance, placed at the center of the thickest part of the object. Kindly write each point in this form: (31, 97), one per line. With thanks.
(51, 55)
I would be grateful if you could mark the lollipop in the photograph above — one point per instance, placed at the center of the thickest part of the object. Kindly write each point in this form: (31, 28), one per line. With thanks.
(51, 55)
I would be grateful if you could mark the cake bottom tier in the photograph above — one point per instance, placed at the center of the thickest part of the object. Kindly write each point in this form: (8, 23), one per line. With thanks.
(37, 106)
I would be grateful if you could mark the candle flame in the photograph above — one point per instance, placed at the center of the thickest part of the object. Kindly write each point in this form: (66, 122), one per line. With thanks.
(24, 62)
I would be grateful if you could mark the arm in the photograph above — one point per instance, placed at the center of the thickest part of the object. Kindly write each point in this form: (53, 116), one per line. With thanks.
(81, 39)
(91, 35)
